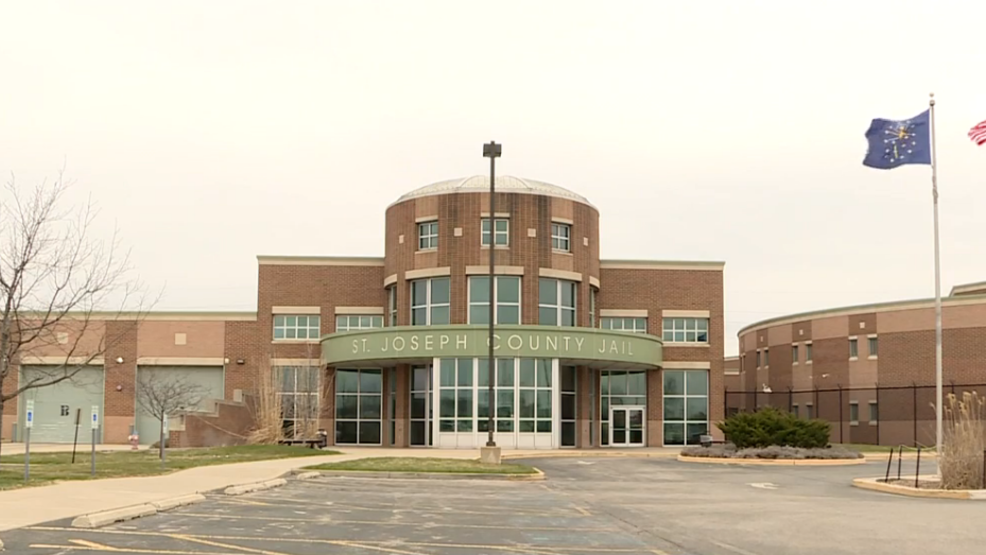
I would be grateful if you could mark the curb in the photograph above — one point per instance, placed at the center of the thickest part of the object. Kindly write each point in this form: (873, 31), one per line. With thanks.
(102, 518)
(877, 484)
(774, 462)
(256, 486)
(575, 454)
(307, 475)
(536, 477)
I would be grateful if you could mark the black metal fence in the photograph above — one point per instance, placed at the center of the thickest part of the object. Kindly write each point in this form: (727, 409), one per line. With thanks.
(877, 415)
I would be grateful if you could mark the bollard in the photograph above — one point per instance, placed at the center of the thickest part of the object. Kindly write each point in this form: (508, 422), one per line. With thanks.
(900, 456)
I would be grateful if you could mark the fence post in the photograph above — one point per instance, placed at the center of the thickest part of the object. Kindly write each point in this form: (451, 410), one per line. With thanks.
(900, 457)
(914, 410)
(790, 399)
(725, 402)
(890, 461)
(918, 471)
(842, 426)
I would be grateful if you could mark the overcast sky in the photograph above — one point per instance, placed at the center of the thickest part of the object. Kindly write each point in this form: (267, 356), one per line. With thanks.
(211, 132)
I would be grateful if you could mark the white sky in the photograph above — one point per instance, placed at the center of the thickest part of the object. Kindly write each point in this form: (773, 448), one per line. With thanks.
(210, 132)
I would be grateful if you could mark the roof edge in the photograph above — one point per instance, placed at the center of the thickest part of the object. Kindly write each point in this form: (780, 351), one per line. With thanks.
(630, 264)
(889, 306)
(269, 260)
(963, 287)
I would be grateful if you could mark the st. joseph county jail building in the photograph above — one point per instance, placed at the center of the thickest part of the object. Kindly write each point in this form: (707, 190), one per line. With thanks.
(589, 352)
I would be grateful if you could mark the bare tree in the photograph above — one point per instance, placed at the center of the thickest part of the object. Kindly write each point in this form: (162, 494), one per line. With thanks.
(162, 395)
(289, 399)
(56, 284)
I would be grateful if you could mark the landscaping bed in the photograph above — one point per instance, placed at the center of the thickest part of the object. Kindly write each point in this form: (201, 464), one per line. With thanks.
(773, 452)
(425, 465)
(53, 467)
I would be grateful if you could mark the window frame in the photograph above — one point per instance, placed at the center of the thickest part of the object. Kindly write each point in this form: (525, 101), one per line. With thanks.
(496, 300)
(561, 242)
(873, 347)
(313, 395)
(795, 355)
(853, 348)
(429, 305)
(484, 234)
(623, 320)
(392, 306)
(854, 412)
(428, 235)
(688, 326)
(560, 308)
(381, 396)
(375, 322)
(685, 396)
(296, 327)
(874, 410)
(808, 353)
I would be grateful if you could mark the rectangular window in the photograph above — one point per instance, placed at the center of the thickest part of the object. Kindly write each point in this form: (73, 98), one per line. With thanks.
(686, 330)
(592, 306)
(501, 234)
(430, 301)
(561, 237)
(299, 326)
(506, 297)
(873, 346)
(853, 413)
(392, 306)
(766, 357)
(807, 353)
(758, 359)
(794, 354)
(810, 411)
(359, 398)
(874, 413)
(556, 302)
(796, 411)
(633, 325)
(569, 408)
(456, 391)
(427, 235)
(298, 393)
(686, 406)
(853, 348)
(351, 322)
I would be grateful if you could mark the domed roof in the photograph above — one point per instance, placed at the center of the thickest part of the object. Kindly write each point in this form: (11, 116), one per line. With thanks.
(504, 184)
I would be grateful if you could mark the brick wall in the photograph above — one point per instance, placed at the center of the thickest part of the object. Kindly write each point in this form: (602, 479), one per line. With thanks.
(119, 404)
(230, 424)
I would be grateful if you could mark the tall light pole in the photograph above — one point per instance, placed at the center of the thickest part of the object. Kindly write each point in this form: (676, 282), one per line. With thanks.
(492, 151)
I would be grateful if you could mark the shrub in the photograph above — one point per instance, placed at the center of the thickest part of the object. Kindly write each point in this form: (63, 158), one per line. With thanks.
(770, 426)
(963, 441)
(773, 452)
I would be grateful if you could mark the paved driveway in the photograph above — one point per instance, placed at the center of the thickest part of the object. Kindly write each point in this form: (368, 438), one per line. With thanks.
(588, 506)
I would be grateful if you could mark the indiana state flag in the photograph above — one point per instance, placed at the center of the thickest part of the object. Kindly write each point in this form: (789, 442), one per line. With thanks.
(894, 143)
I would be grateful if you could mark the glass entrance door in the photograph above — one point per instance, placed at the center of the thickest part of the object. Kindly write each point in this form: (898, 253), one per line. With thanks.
(421, 411)
(626, 426)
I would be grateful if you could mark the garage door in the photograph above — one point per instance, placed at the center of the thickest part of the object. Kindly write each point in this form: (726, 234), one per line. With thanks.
(55, 406)
(210, 378)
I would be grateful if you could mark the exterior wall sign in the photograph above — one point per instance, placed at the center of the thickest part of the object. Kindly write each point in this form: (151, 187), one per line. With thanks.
(412, 342)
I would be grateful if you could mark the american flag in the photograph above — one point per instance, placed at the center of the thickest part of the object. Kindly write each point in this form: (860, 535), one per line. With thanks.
(978, 133)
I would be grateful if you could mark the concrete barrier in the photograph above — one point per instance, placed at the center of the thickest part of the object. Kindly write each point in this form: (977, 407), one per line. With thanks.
(256, 486)
(180, 501)
(102, 518)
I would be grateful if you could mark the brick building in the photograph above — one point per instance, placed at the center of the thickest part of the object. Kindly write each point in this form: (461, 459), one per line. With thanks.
(393, 350)
(870, 370)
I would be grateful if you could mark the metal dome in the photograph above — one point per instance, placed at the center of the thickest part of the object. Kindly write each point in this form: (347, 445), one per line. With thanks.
(504, 184)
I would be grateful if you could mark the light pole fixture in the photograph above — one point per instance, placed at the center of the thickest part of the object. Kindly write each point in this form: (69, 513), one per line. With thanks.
(492, 151)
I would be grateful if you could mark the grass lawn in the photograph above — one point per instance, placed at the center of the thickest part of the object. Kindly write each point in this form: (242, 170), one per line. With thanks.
(51, 467)
(422, 464)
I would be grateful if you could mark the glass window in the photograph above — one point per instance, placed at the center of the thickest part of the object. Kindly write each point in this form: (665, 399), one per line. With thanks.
(633, 325)
(556, 302)
(561, 237)
(351, 322)
(534, 395)
(430, 301)
(592, 306)
(507, 299)
(420, 417)
(808, 352)
(853, 348)
(299, 326)
(874, 412)
(810, 411)
(359, 402)
(686, 406)
(569, 405)
(686, 330)
(854, 412)
(619, 387)
(298, 396)
(501, 234)
(392, 305)
(766, 357)
(873, 346)
(794, 354)
(427, 235)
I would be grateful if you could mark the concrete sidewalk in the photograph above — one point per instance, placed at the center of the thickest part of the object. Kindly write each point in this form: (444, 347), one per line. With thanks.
(35, 505)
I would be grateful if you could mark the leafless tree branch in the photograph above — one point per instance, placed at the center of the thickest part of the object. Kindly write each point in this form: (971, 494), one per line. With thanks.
(166, 395)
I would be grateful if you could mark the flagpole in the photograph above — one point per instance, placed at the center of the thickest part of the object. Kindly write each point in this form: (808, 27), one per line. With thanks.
(938, 331)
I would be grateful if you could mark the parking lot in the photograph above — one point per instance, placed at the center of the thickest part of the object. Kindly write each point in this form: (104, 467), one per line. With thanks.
(590, 506)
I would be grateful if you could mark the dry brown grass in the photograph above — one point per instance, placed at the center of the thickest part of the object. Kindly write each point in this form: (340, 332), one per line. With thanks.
(267, 409)
(963, 441)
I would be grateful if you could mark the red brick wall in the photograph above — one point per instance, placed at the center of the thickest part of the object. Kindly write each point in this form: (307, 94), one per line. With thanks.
(119, 405)
(230, 425)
